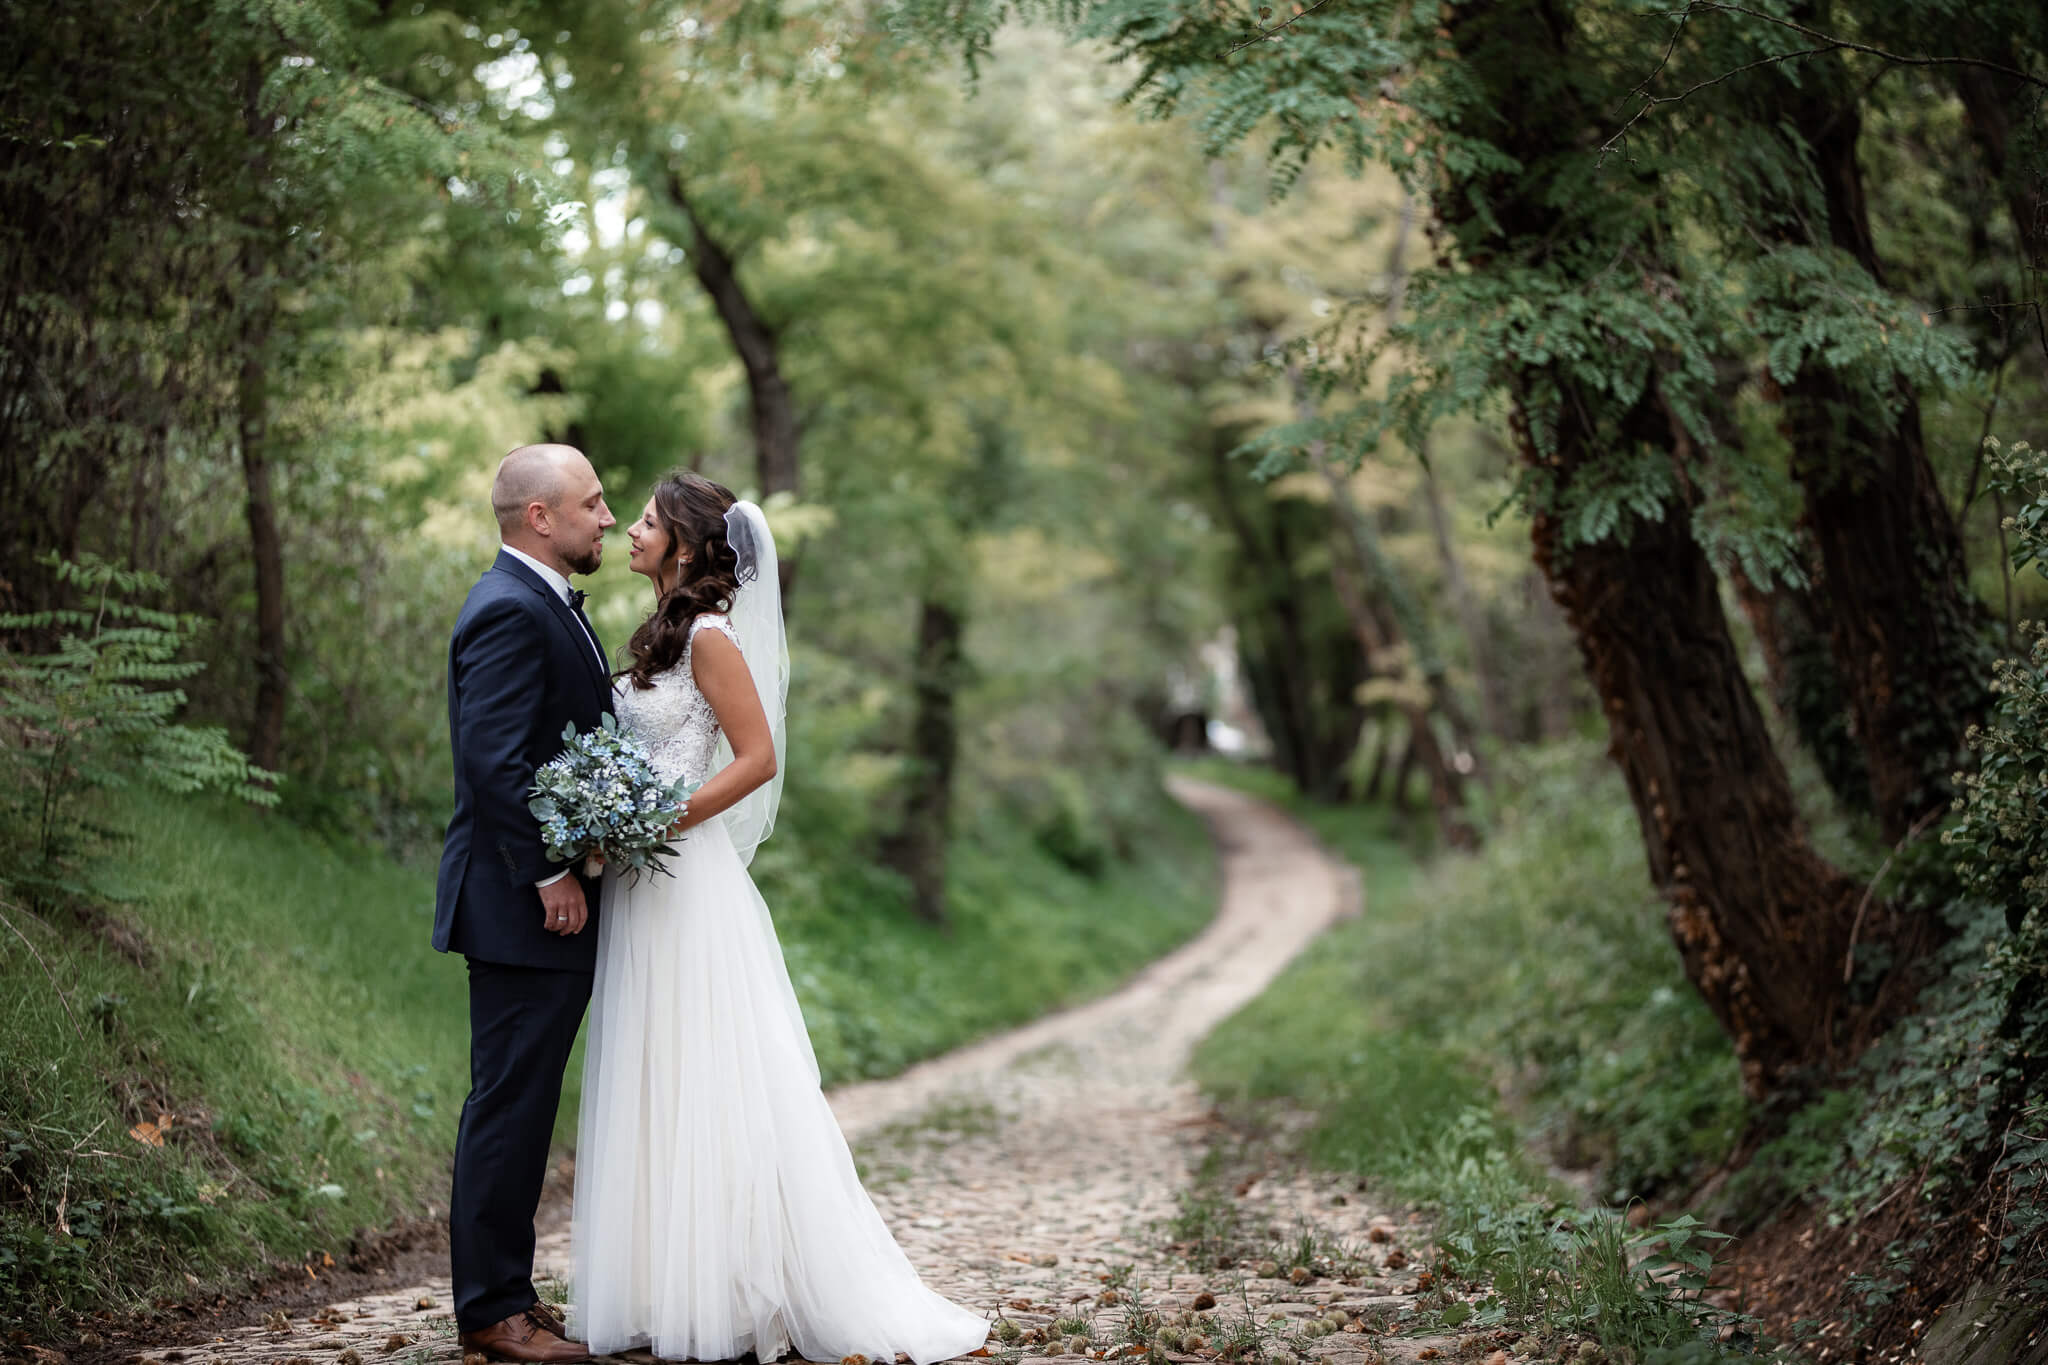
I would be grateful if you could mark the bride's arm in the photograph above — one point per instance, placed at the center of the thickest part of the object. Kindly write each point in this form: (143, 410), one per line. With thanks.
(726, 682)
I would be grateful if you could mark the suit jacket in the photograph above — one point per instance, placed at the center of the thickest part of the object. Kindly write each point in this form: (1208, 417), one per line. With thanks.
(520, 669)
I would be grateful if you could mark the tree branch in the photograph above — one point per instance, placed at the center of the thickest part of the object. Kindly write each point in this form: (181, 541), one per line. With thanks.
(1825, 42)
(1850, 45)
(1651, 101)
(1274, 31)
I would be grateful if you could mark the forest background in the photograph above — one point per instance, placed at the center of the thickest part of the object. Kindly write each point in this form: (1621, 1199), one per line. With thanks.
(1091, 360)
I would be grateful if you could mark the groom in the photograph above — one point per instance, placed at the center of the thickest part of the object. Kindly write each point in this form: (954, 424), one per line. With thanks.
(524, 664)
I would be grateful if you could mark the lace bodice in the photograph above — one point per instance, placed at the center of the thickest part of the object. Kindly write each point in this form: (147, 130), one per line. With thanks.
(672, 718)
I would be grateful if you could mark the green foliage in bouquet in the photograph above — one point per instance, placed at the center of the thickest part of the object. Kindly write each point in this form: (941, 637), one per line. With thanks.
(96, 711)
(601, 795)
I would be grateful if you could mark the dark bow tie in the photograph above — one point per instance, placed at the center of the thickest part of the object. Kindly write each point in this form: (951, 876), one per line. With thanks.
(576, 596)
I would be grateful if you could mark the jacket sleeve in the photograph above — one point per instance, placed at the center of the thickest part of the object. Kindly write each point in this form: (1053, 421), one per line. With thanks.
(500, 678)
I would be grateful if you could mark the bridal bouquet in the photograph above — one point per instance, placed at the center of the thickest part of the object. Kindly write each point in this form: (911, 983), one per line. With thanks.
(601, 796)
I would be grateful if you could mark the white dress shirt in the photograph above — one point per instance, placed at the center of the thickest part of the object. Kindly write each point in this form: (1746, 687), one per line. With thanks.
(554, 579)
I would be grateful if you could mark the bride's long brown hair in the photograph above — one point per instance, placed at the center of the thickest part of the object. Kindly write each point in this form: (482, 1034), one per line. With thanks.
(691, 511)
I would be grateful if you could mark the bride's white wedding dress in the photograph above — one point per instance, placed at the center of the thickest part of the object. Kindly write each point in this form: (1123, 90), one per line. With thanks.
(717, 1210)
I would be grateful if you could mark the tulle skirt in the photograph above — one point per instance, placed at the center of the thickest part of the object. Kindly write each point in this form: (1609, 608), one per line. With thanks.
(717, 1210)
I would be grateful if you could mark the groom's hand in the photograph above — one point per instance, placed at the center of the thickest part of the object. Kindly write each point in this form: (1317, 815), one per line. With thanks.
(563, 904)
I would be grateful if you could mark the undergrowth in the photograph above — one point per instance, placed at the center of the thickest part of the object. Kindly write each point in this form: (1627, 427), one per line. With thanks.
(1918, 1177)
(1536, 976)
(1521, 1000)
(265, 1006)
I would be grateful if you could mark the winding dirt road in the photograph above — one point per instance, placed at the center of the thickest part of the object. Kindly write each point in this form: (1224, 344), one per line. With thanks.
(1031, 1174)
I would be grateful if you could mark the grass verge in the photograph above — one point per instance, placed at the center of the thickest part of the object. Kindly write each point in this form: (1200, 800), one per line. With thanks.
(245, 1054)
(1490, 1007)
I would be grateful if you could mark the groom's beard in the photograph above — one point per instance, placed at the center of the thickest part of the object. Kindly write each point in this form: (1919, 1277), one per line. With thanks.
(587, 563)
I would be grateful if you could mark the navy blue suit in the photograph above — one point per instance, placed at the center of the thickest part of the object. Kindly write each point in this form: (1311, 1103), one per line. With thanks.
(520, 669)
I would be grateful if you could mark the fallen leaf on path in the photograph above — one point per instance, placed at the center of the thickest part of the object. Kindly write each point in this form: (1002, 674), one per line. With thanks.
(397, 1341)
(1204, 1301)
(1428, 1353)
(424, 1303)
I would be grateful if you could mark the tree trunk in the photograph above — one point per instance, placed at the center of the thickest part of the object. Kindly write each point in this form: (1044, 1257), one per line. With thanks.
(1377, 636)
(1302, 661)
(1493, 693)
(1805, 685)
(1404, 768)
(1989, 100)
(266, 547)
(1762, 922)
(1382, 611)
(777, 432)
(1907, 636)
(1376, 771)
(918, 849)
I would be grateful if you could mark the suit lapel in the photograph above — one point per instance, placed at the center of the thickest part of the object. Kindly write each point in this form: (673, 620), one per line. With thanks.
(587, 647)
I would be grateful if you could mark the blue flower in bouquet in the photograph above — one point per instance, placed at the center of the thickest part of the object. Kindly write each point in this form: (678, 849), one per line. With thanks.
(601, 796)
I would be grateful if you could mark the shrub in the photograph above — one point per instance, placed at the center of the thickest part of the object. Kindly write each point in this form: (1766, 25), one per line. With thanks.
(97, 710)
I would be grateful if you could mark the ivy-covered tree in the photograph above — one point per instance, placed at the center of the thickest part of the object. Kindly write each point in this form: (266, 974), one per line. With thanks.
(1887, 586)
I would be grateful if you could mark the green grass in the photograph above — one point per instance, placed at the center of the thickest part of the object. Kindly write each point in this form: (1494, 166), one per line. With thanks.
(1535, 978)
(312, 1047)
(289, 1016)
(1485, 1013)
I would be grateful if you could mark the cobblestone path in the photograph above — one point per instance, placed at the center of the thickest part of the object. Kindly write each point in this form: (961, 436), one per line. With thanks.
(1036, 1176)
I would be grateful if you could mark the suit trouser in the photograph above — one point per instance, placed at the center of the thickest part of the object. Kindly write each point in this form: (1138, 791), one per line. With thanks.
(522, 1024)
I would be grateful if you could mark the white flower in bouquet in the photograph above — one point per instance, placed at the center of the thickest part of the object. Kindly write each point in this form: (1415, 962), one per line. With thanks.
(601, 796)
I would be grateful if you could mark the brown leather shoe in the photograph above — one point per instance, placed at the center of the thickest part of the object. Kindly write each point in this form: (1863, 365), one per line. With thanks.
(534, 1337)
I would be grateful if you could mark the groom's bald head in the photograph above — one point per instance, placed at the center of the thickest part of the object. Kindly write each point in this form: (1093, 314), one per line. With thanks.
(533, 474)
(550, 504)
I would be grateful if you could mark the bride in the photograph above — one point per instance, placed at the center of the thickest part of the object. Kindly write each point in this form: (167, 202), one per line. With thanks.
(716, 1210)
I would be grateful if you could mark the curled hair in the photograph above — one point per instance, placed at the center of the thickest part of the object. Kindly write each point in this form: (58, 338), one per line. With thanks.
(691, 511)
